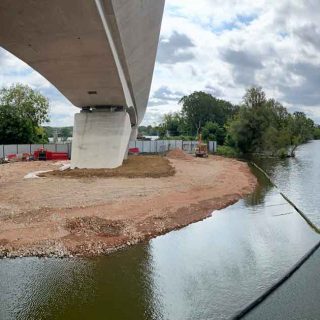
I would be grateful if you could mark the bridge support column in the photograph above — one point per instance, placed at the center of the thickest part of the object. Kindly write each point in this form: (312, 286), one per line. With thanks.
(133, 137)
(100, 139)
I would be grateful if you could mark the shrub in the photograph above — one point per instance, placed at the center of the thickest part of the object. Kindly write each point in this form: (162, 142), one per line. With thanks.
(227, 151)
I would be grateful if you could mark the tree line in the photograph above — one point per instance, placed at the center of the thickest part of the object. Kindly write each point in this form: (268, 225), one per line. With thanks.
(257, 126)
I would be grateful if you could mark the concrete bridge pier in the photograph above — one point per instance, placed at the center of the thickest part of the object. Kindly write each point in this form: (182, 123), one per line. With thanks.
(100, 138)
(100, 55)
(133, 137)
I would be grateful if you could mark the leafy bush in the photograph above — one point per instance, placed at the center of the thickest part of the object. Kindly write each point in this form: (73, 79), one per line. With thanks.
(227, 151)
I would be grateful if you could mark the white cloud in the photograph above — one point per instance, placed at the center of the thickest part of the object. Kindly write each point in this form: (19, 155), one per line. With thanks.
(13, 70)
(222, 47)
(274, 44)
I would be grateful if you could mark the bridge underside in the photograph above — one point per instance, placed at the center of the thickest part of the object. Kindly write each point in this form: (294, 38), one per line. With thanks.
(100, 54)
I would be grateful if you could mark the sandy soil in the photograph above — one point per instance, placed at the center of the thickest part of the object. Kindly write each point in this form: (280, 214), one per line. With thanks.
(59, 216)
(134, 167)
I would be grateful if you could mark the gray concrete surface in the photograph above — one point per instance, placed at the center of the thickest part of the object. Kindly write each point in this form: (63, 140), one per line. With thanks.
(66, 42)
(100, 139)
(96, 52)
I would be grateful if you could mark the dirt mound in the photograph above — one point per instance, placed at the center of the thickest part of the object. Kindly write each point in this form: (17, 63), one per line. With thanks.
(94, 225)
(134, 167)
(179, 154)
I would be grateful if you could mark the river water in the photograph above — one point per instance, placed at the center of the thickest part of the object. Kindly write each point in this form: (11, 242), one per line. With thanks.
(299, 178)
(208, 270)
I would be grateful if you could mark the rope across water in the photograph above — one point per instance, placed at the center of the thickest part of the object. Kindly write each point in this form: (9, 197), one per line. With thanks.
(292, 270)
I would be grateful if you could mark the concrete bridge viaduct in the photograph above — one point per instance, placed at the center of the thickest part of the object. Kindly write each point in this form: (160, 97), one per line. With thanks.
(99, 54)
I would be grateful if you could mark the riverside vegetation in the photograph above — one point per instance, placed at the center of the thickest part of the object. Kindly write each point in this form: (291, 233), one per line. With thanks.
(257, 126)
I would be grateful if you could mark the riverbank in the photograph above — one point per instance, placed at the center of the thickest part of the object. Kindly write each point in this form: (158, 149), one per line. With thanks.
(59, 215)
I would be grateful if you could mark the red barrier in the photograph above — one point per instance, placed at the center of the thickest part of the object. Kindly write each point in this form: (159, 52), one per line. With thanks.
(134, 150)
(42, 154)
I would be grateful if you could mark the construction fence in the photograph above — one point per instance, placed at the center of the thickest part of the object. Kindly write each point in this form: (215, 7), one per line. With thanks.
(144, 146)
(7, 149)
(162, 146)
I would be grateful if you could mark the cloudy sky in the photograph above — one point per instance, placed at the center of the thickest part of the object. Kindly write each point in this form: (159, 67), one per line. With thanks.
(221, 47)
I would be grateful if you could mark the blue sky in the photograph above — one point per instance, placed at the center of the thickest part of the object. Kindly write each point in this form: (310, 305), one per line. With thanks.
(221, 47)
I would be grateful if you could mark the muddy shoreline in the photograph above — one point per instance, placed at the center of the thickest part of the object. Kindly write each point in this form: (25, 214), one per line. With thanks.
(56, 216)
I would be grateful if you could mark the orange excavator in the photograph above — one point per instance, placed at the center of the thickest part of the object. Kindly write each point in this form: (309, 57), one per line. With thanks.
(201, 148)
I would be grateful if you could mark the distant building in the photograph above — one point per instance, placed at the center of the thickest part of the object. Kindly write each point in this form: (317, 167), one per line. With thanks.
(59, 140)
(152, 138)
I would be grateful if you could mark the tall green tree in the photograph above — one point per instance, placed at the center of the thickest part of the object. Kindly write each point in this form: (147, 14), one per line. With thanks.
(200, 107)
(172, 124)
(22, 112)
(301, 129)
(316, 132)
(65, 133)
(213, 132)
(254, 98)
(265, 126)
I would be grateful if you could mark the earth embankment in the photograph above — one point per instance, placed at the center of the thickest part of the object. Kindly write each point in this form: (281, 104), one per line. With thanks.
(88, 212)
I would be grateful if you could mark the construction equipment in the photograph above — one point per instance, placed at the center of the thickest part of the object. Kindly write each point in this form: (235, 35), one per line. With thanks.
(201, 148)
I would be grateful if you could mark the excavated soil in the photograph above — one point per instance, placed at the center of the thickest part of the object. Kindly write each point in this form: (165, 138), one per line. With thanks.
(93, 214)
(179, 154)
(133, 167)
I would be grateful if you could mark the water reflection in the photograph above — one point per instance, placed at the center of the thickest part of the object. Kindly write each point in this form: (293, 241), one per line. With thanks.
(264, 187)
(208, 270)
(212, 269)
(299, 178)
(105, 288)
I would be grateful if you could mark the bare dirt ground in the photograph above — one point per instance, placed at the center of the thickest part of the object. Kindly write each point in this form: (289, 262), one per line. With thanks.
(134, 167)
(57, 215)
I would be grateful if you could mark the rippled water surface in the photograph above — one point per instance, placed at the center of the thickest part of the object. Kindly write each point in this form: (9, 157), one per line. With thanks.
(299, 178)
(208, 270)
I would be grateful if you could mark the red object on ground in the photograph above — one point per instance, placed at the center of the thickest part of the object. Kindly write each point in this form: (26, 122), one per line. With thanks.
(57, 155)
(134, 150)
(11, 156)
(43, 154)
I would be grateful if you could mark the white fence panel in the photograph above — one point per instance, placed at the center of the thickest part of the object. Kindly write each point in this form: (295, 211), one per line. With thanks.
(35, 147)
(172, 144)
(153, 147)
(161, 146)
(179, 144)
(139, 145)
(50, 147)
(144, 146)
(62, 147)
(10, 149)
(147, 146)
(23, 148)
(212, 146)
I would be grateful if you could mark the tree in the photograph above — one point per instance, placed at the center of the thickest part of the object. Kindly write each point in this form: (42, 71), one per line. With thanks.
(246, 130)
(265, 126)
(200, 107)
(316, 133)
(22, 112)
(172, 124)
(254, 97)
(301, 129)
(148, 130)
(65, 133)
(213, 132)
